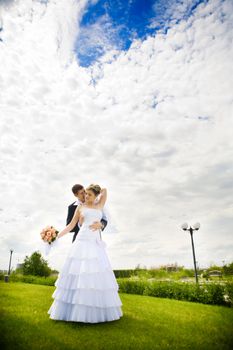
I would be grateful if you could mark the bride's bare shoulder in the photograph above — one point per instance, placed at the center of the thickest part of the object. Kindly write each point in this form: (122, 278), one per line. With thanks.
(79, 208)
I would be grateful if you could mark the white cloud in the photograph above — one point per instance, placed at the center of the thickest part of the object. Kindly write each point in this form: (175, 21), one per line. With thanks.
(99, 37)
(155, 129)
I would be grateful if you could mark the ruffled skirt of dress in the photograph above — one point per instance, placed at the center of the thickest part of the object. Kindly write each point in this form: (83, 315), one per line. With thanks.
(86, 288)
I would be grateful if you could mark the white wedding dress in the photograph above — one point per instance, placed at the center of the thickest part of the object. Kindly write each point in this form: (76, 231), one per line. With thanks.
(86, 288)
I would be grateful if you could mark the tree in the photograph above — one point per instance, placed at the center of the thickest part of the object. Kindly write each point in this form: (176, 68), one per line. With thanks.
(36, 265)
(228, 269)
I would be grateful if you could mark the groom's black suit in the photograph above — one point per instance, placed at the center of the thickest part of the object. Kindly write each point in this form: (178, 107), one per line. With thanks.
(71, 209)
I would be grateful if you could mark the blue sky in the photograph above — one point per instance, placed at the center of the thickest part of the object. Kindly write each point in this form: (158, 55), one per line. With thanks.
(114, 24)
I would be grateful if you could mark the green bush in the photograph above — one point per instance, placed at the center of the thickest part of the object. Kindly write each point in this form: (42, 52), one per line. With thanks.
(172, 290)
(229, 293)
(208, 293)
(131, 287)
(14, 277)
(124, 273)
(211, 293)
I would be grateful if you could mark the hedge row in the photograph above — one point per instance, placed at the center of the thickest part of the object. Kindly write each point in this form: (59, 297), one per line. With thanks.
(48, 281)
(124, 273)
(208, 293)
(211, 293)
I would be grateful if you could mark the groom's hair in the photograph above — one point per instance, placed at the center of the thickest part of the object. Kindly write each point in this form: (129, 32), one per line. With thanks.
(77, 188)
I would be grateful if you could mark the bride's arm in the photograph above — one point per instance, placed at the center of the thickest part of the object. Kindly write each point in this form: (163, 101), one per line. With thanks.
(71, 224)
(103, 197)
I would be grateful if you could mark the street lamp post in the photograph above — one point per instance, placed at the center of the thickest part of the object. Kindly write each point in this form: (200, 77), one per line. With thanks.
(6, 277)
(9, 270)
(191, 229)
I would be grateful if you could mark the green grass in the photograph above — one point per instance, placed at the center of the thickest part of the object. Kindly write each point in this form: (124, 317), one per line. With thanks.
(148, 323)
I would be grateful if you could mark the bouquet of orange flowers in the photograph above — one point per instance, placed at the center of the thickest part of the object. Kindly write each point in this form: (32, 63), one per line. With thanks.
(49, 234)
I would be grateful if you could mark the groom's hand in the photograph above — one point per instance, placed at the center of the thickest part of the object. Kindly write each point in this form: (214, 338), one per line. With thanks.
(97, 225)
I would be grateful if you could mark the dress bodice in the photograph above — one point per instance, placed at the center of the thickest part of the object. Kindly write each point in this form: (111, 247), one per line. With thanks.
(90, 215)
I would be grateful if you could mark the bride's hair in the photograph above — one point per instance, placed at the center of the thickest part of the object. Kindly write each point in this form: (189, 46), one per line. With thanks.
(94, 188)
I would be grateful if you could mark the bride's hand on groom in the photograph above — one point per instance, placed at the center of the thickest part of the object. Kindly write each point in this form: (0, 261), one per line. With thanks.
(97, 225)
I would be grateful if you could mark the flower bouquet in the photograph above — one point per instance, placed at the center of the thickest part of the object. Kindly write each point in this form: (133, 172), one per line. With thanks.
(49, 234)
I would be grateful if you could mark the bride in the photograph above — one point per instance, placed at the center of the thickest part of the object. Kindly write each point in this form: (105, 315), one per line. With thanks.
(86, 288)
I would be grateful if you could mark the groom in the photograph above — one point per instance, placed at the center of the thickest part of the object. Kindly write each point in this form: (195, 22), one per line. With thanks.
(79, 193)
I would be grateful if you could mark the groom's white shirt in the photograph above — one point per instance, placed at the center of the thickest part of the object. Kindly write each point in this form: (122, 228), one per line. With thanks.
(77, 203)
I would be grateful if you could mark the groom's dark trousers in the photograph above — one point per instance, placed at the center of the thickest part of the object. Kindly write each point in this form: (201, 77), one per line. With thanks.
(71, 209)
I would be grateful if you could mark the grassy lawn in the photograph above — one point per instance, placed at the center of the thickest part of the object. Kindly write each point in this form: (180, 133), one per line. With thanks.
(147, 323)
